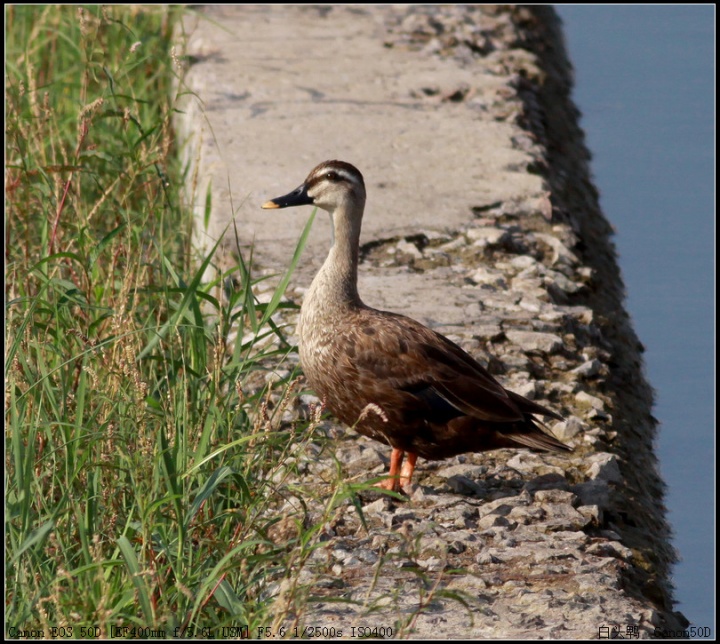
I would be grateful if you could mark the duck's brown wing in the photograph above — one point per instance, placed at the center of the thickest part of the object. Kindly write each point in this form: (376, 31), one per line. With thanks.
(401, 354)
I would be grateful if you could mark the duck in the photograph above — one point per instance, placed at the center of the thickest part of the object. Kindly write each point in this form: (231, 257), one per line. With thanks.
(387, 376)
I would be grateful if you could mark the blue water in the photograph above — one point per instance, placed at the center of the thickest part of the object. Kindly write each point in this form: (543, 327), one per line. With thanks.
(645, 83)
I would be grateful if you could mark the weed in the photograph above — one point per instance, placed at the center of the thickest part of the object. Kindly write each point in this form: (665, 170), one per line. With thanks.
(143, 466)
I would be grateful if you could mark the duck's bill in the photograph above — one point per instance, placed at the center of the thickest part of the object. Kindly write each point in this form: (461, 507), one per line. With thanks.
(298, 197)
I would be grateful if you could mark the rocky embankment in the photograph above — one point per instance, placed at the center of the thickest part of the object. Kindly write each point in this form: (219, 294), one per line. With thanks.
(482, 222)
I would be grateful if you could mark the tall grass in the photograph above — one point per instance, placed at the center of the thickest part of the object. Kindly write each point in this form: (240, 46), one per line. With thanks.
(143, 463)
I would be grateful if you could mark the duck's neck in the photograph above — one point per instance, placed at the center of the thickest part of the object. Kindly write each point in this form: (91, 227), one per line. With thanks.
(335, 285)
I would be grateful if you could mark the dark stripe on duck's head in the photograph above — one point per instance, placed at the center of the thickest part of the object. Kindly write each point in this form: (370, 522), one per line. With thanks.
(335, 171)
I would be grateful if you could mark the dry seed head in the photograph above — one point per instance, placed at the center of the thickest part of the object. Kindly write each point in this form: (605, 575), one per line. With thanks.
(83, 20)
(175, 58)
(90, 109)
(93, 376)
(46, 105)
(32, 89)
(376, 409)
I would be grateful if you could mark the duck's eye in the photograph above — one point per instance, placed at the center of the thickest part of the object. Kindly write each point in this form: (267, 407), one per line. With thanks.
(332, 176)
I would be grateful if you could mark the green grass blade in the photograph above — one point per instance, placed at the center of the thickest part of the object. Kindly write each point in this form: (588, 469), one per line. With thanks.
(280, 290)
(133, 567)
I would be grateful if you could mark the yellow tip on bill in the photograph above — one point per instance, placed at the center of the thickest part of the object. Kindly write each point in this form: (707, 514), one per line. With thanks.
(269, 204)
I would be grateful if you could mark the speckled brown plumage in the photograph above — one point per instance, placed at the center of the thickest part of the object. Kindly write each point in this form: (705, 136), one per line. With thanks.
(386, 375)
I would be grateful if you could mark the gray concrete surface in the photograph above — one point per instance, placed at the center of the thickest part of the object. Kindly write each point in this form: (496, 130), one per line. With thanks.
(482, 221)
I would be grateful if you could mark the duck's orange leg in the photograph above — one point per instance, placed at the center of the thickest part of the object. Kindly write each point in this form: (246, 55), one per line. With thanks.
(396, 459)
(407, 469)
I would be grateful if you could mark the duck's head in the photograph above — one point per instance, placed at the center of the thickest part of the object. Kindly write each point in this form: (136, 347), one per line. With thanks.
(330, 185)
